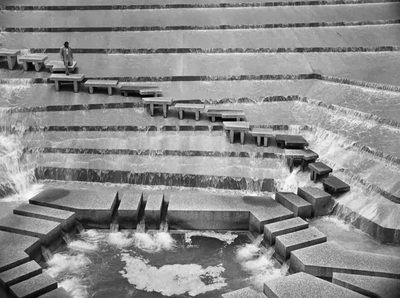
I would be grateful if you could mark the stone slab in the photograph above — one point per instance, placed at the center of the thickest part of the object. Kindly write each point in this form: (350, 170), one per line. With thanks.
(58, 66)
(243, 293)
(134, 87)
(15, 249)
(319, 199)
(20, 273)
(57, 293)
(35, 286)
(65, 218)
(333, 184)
(291, 141)
(93, 208)
(236, 125)
(33, 58)
(305, 285)
(285, 244)
(211, 112)
(152, 210)
(305, 154)
(324, 259)
(158, 100)
(262, 132)
(47, 231)
(8, 52)
(320, 168)
(283, 227)
(188, 107)
(232, 114)
(150, 91)
(63, 77)
(294, 203)
(101, 83)
(128, 210)
(370, 286)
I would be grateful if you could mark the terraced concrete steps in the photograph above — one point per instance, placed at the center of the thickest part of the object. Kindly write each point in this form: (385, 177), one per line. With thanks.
(294, 203)
(319, 199)
(287, 243)
(65, 218)
(20, 273)
(272, 230)
(34, 287)
(305, 285)
(47, 231)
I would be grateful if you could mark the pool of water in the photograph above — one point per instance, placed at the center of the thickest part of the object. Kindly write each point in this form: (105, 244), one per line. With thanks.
(98, 263)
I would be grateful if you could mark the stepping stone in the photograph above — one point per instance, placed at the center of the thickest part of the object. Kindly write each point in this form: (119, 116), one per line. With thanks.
(188, 107)
(153, 210)
(305, 285)
(290, 141)
(238, 126)
(318, 170)
(284, 244)
(334, 185)
(74, 78)
(58, 66)
(15, 249)
(324, 259)
(57, 293)
(304, 157)
(294, 203)
(109, 84)
(213, 113)
(164, 102)
(35, 286)
(370, 286)
(65, 218)
(129, 87)
(238, 115)
(128, 210)
(272, 230)
(150, 91)
(11, 56)
(319, 199)
(47, 231)
(243, 293)
(259, 133)
(20, 273)
(36, 59)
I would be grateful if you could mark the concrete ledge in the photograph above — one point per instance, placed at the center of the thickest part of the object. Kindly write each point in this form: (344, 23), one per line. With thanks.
(334, 185)
(35, 286)
(272, 230)
(370, 286)
(57, 293)
(294, 203)
(20, 273)
(65, 218)
(243, 293)
(289, 242)
(152, 210)
(324, 259)
(305, 285)
(320, 200)
(128, 210)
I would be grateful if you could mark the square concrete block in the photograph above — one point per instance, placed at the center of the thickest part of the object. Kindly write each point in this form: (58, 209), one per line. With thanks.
(294, 203)
(319, 199)
(128, 210)
(20, 273)
(286, 243)
(152, 210)
(272, 230)
(334, 185)
(34, 287)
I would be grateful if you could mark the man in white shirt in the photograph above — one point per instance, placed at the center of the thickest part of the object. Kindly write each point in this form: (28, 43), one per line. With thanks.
(66, 56)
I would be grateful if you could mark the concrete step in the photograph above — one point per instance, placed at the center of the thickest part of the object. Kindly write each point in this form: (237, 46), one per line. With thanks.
(47, 231)
(35, 286)
(152, 210)
(294, 203)
(289, 242)
(319, 199)
(57, 293)
(65, 218)
(128, 210)
(334, 185)
(20, 273)
(305, 285)
(244, 293)
(272, 230)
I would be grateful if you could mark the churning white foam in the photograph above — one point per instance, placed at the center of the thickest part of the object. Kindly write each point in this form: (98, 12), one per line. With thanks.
(259, 264)
(227, 237)
(75, 287)
(174, 279)
(340, 223)
(82, 245)
(120, 239)
(64, 264)
(154, 243)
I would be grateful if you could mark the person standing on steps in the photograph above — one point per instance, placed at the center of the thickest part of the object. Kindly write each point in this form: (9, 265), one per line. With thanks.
(66, 56)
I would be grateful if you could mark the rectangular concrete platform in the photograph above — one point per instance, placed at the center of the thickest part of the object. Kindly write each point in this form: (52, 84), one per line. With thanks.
(93, 208)
(16, 249)
(287, 243)
(20, 273)
(265, 133)
(128, 210)
(47, 231)
(65, 218)
(319, 199)
(36, 59)
(74, 78)
(243, 293)
(152, 210)
(307, 286)
(334, 185)
(109, 84)
(290, 141)
(58, 66)
(318, 170)
(272, 230)
(294, 203)
(34, 287)
(371, 286)
(57, 293)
